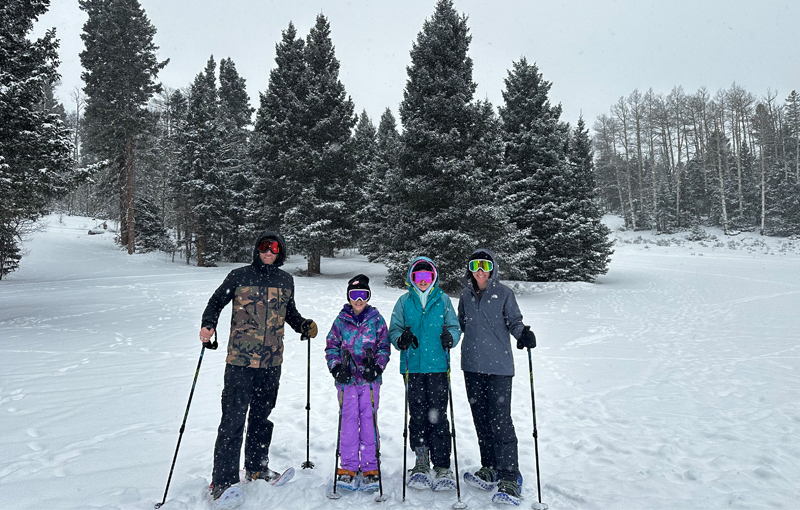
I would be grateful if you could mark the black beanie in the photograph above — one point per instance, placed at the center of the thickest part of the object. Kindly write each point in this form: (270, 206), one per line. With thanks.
(359, 281)
(481, 255)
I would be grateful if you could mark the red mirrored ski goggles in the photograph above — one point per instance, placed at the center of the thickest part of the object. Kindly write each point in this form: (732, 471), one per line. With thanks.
(269, 245)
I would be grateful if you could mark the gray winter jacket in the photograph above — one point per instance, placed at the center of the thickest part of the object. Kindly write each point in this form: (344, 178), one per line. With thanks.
(487, 323)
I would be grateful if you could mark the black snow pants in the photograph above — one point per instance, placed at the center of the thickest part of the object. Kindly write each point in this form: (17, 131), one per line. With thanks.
(427, 406)
(490, 400)
(256, 388)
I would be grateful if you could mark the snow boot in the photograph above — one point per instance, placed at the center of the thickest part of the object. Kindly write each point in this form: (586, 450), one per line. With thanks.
(266, 474)
(485, 478)
(226, 497)
(509, 492)
(346, 479)
(421, 472)
(270, 476)
(370, 481)
(443, 479)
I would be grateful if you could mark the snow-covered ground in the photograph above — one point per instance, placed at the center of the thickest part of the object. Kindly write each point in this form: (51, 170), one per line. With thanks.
(671, 383)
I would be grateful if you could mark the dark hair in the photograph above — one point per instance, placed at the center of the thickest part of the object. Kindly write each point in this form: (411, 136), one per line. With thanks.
(423, 265)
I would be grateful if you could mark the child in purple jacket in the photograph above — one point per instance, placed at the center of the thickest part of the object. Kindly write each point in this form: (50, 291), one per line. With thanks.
(357, 351)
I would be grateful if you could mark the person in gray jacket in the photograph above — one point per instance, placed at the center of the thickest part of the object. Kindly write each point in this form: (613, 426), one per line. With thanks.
(489, 315)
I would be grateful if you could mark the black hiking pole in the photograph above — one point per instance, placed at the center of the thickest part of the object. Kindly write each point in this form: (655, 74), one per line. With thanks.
(459, 504)
(380, 498)
(334, 495)
(211, 346)
(308, 464)
(405, 429)
(541, 506)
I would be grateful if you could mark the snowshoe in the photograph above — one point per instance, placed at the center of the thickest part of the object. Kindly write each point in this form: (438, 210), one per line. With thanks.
(443, 479)
(485, 478)
(370, 482)
(508, 492)
(420, 478)
(226, 498)
(420, 474)
(346, 480)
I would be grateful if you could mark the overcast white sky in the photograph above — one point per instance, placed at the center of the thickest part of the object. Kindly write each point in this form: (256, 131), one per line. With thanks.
(592, 51)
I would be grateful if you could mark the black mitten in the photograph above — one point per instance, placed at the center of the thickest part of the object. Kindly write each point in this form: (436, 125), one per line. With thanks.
(527, 340)
(406, 340)
(341, 373)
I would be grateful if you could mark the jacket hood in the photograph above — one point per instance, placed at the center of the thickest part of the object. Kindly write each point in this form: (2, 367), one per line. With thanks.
(467, 280)
(281, 256)
(414, 262)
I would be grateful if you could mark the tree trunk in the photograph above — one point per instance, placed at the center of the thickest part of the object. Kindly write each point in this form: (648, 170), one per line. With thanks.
(201, 255)
(763, 190)
(722, 184)
(129, 206)
(123, 212)
(314, 263)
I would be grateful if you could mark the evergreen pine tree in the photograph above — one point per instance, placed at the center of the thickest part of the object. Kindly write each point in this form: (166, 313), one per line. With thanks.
(279, 141)
(120, 72)
(374, 240)
(539, 181)
(234, 119)
(320, 218)
(35, 147)
(594, 246)
(438, 175)
(152, 234)
(205, 182)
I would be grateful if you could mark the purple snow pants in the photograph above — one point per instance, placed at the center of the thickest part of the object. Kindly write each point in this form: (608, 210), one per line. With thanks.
(358, 432)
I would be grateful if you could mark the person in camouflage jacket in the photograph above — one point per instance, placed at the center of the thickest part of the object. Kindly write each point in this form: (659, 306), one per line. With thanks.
(263, 302)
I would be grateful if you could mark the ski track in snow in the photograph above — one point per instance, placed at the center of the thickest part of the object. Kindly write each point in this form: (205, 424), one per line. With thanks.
(670, 383)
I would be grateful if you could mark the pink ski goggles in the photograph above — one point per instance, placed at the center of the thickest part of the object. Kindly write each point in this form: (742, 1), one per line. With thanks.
(422, 276)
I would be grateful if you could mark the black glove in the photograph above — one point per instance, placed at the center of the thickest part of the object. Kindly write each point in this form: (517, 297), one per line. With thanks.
(527, 340)
(406, 340)
(371, 370)
(446, 338)
(308, 329)
(341, 373)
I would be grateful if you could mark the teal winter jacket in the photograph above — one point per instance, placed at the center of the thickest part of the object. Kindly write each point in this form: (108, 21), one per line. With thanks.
(426, 324)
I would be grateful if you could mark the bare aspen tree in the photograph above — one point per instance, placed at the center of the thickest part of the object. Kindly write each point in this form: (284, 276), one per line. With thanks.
(677, 100)
(737, 102)
(793, 123)
(650, 104)
(622, 115)
(637, 114)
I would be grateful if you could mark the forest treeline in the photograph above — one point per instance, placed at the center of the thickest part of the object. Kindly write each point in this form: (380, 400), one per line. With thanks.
(670, 162)
(198, 171)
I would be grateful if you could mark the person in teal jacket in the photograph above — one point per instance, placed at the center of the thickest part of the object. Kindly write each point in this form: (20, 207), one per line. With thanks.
(425, 326)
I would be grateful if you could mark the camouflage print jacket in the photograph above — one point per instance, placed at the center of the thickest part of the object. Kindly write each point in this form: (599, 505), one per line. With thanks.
(263, 300)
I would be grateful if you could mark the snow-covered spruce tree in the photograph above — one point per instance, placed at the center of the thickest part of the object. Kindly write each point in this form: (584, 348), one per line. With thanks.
(539, 181)
(377, 215)
(234, 119)
(365, 154)
(319, 218)
(204, 183)
(594, 245)
(278, 141)
(10, 254)
(440, 172)
(35, 148)
(120, 76)
(151, 233)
